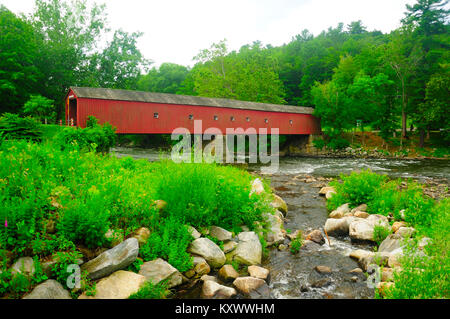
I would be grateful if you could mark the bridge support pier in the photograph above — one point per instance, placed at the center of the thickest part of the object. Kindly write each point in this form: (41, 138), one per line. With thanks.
(300, 145)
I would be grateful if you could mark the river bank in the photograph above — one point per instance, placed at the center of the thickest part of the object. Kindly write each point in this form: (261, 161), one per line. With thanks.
(127, 231)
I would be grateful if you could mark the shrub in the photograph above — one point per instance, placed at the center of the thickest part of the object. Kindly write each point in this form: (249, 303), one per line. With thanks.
(208, 194)
(319, 143)
(380, 233)
(94, 136)
(63, 261)
(357, 188)
(40, 107)
(170, 242)
(151, 291)
(85, 223)
(337, 143)
(12, 126)
(297, 243)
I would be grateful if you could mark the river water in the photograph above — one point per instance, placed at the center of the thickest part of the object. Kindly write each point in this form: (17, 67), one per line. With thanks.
(293, 275)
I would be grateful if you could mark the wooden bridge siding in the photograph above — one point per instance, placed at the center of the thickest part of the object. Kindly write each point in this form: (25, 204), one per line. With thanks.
(138, 117)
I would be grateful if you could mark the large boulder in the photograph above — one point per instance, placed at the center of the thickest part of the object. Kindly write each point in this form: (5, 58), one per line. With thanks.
(201, 267)
(120, 285)
(405, 232)
(158, 270)
(358, 254)
(397, 225)
(378, 258)
(49, 289)
(117, 258)
(362, 229)
(339, 227)
(340, 211)
(316, 236)
(360, 208)
(24, 266)
(324, 190)
(258, 272)
(209, 250)
(248, 284)
(220, 233)
(391, 243)
(229, 246)
(212, 289)
(257, 187)
(279, 204)
(194, 232)
(249, 249)
(275, 234)
(227, 272)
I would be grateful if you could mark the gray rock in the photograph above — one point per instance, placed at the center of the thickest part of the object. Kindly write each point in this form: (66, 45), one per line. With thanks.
(324, 190)
(24, 266)
(194, 232)
(379, 258)
(339, 227)
(258, 272)
(391, 243)
(360, 208)
(212, 289)
(119, 285)
(229, 246)
(220, 233)
(340, 211)
(117, 258)
(209, 250)
(49, 289)
(275, 234)
(279, 204)
(247, 284)
(249, 249)
(362, 229)
(201, 267)
(405, 232)
(158, 270)
(316, 236)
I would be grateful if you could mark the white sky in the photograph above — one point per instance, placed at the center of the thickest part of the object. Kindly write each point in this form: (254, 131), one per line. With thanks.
(176, 30)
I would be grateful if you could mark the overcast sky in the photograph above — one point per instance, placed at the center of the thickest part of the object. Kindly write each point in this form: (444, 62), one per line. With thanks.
(176, 30)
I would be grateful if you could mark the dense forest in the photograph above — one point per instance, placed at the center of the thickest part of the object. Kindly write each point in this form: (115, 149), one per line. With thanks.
(350, 75)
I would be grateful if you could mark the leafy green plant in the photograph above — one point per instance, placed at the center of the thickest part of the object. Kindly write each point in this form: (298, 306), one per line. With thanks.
(98, 137)
(12, 126)
(85, 223)
(63, 261)
(380, 233)
(297, 243)
(152, 291)
(357, 188)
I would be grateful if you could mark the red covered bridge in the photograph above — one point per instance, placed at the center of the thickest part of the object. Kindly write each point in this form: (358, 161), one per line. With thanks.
(134, 112)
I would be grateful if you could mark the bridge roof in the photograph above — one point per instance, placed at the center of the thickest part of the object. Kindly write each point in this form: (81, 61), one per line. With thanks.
(165, 98)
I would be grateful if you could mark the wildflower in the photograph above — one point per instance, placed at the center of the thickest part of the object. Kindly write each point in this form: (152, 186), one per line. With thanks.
(6, 223)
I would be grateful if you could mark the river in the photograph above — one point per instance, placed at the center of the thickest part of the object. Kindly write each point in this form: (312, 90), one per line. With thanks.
(293, 275)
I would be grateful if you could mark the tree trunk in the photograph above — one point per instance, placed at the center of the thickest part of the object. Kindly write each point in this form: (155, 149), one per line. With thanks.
(422, 137)
(403, 123)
